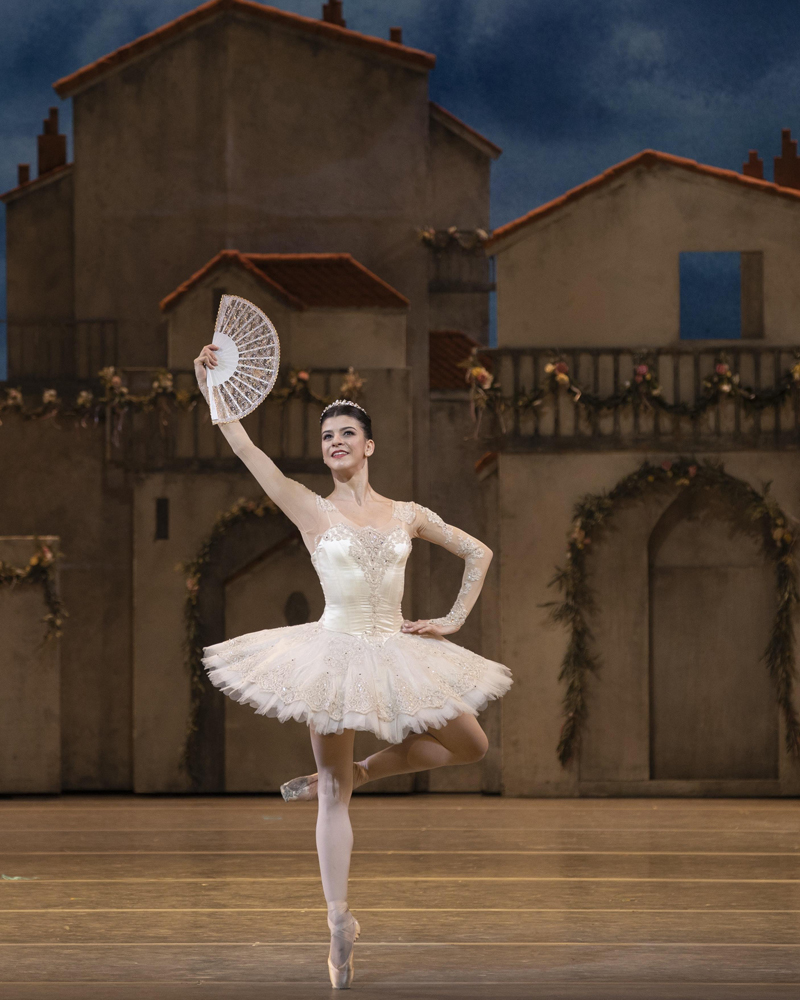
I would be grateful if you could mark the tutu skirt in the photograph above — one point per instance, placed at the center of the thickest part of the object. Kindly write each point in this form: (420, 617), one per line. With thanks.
(389, 685)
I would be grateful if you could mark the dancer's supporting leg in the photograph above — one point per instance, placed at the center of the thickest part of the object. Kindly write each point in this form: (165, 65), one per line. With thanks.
(334, 756)
(460, 741)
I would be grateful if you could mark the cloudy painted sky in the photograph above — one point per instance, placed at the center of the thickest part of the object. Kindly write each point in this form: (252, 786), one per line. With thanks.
(566, 87)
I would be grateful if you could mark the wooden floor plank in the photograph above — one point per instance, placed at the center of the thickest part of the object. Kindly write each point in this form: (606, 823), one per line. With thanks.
(286, 837)
(400, 924)
(459, 896)
(446, 863)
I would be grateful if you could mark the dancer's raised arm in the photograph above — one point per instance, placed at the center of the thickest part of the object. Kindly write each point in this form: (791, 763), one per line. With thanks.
(296, 501)
(476, 556)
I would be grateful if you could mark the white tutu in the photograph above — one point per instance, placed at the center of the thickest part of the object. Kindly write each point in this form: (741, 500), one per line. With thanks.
(355, 668)
(390, 685)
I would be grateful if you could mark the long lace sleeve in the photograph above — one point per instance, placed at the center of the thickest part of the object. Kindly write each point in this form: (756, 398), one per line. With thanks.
(475, 554)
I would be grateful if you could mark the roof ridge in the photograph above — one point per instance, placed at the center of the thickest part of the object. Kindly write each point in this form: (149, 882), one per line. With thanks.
(69, 85)
(35, 182)
(473, 135)
(381, 293)
(646, 158)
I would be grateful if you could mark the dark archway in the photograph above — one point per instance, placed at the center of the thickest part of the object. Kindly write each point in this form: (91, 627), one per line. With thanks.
(712, 602)
(246, 540)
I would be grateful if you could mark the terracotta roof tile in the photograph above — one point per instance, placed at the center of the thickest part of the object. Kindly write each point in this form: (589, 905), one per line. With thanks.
(647, 158)
(69, 85)
(448, 119)
(306, 280)
(447, 348)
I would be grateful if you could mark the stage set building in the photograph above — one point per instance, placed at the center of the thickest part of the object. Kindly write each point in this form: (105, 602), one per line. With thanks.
(241, 149)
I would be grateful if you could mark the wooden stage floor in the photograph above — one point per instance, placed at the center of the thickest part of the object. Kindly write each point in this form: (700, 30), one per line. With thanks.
(126, 897)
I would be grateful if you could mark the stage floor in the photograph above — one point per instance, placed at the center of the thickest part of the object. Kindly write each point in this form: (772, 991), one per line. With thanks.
(126, 897)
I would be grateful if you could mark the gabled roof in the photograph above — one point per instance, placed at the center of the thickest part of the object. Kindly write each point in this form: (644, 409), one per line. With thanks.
(69, 85)
(647, 158)
(35, 183)
(305, 280)
(446, 349)
(464, 131)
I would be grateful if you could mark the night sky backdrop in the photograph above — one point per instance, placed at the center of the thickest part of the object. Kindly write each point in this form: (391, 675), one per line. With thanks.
(566, 87)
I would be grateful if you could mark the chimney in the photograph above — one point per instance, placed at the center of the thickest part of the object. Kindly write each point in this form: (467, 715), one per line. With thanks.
(332, 13)
(52, 147)
(787, 165)
(396, 35)
(23, 174)
(754, 166)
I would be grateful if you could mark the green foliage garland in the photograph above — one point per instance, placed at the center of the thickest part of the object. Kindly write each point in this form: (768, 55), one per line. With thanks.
(195, 569)
(39, 572)
(757, 514)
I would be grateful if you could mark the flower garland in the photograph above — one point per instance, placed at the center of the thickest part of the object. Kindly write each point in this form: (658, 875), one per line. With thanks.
(194, 569)
(39, 571)
(116, 401)
(754, 513)
(441, 239)
(643, 391)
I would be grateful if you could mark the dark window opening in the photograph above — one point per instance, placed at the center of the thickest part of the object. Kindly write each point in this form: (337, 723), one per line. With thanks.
(217, 297)
(162, 518)
(721, 295)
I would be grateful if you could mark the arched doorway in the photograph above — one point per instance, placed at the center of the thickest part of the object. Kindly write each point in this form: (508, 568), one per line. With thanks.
(279, 587)
(260, 577)
(713, 713)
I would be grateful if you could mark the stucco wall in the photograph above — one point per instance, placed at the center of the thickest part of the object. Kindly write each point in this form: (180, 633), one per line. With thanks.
(246, 135)
(459, 181)
(55, 483)
(536, 497)
(603, 270)
(30, 709)
(39, 252)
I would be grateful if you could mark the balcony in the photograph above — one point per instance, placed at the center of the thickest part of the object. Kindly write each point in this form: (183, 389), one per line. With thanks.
(175, 439)
(562, 421)
(60, 349)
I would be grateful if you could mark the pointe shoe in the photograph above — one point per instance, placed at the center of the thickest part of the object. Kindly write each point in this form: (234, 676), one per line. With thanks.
(341, 976)
(305, 789)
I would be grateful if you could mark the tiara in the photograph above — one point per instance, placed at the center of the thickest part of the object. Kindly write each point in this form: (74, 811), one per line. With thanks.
(337, 402)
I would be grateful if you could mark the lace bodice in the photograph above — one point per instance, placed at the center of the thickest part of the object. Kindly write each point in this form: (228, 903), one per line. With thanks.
(362, 568)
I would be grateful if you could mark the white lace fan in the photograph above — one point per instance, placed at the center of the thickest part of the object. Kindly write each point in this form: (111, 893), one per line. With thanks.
(248, 358)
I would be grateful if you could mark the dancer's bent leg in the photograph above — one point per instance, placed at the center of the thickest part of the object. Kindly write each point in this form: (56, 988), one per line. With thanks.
(460, 741)
(334, 756)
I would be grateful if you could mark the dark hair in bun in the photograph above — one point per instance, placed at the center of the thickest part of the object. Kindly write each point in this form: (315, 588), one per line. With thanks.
(349, 410)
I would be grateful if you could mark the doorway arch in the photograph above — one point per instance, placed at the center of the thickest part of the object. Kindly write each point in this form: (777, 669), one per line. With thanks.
(712, 602)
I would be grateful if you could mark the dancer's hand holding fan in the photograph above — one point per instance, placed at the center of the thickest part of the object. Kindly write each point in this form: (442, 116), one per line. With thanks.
(238, 369)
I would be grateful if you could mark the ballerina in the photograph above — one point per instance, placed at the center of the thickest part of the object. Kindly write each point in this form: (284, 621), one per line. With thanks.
(362, 666)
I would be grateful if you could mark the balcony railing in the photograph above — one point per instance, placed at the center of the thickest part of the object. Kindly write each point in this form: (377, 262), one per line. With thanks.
(175, 439)
(60, 349)
(562, 422)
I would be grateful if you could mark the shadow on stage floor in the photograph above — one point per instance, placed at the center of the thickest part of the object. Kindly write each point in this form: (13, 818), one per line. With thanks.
(465, 897)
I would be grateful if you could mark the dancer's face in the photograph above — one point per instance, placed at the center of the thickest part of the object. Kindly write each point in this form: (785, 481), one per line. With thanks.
(345, 446)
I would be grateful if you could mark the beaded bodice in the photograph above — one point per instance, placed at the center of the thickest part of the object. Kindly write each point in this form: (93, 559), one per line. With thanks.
(362, 572)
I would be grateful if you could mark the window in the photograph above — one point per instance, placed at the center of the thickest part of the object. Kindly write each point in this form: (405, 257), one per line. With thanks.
(162, 518)
(721, 295)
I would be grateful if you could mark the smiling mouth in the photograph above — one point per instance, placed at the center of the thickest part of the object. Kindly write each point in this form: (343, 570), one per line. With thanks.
(338, 454)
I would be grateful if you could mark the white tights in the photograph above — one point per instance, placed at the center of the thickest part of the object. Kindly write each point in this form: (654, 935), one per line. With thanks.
(461, 741)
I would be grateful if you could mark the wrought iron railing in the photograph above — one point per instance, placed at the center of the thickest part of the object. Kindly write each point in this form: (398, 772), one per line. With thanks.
(60, 349)
(561, 421)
